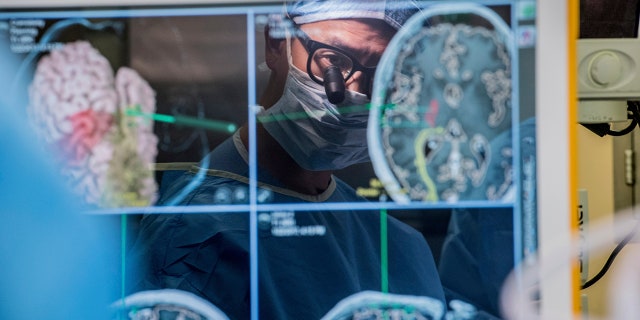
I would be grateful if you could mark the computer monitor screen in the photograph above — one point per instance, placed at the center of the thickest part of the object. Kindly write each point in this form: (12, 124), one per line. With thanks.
(162, 109)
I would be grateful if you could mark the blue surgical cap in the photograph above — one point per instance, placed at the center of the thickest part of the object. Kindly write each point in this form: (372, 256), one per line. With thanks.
(393, 12)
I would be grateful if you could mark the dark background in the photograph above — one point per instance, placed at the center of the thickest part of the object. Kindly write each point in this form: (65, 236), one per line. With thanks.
(608, 18)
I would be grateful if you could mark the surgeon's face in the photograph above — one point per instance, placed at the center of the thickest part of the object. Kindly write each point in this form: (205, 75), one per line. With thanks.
(362, 40)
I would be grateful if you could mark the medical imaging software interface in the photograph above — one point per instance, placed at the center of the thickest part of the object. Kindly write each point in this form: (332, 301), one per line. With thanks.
(124, 98)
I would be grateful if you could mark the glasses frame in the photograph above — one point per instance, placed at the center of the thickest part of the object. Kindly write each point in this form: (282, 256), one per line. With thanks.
(312, 46)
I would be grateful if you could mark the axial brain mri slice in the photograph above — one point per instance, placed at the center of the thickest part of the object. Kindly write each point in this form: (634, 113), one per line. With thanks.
(441, 97)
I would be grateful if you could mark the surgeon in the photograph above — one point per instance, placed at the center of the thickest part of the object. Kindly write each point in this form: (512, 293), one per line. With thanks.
(322, 57)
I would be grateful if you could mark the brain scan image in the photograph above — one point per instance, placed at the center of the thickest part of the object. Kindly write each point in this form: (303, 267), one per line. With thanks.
(441, 103)
(375, 305)
(165, 304)
(81, 110)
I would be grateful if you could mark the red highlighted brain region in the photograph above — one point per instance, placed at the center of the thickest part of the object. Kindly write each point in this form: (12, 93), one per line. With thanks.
(79, 107)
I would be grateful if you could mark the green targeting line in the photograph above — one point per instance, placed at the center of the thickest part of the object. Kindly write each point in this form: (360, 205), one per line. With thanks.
(227, 127)
(303, 115)
(384, 253)
(405, 108)
(351, 109)
(411, 125)
(213, 125)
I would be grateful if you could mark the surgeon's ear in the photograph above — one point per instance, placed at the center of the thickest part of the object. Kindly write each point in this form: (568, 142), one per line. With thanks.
(275, 52)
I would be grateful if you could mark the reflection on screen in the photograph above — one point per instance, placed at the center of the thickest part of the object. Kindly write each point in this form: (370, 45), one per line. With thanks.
(122, 96)
(117, 94)
(135, 104)
(81, 109)
(444, 97)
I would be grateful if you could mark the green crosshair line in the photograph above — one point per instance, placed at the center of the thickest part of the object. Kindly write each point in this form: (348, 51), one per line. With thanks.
(384, 252)
(208, 124)
(228, 127)
(304, 115)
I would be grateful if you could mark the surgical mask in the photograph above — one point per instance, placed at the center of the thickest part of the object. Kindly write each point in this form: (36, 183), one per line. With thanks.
(317, 134)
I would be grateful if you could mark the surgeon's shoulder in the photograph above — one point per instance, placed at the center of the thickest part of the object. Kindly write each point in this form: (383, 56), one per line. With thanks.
(345, 193)
(193, 188)
(401, 228)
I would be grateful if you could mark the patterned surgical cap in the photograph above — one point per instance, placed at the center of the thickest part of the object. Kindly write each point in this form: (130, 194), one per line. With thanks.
(394, 12)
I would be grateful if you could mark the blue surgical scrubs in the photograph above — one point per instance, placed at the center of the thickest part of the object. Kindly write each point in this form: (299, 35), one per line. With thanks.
(307, 261)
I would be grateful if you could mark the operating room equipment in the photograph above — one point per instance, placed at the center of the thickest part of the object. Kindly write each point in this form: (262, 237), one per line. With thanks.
(609, 83)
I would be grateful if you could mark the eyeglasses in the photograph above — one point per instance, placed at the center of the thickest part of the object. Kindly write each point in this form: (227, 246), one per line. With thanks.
(323, 56)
